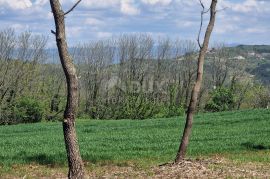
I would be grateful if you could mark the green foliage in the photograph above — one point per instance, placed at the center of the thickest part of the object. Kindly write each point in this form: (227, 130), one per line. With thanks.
(154, 140)
(256, 48)
(257, 97)
(137, 107)
(28, 110)
(132, 106)
(222, 99)
(164, 111)
(262, 73)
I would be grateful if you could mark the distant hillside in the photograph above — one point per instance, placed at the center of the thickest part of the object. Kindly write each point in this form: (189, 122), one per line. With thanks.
(258, 60)
(257, 56)
(255, 48)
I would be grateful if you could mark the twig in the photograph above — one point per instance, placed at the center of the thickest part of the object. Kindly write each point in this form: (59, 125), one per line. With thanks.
(200, 30)
(53, 32)
(206, 11)
(223, 9)
(71, 9)
(200, 1)
(202, 13)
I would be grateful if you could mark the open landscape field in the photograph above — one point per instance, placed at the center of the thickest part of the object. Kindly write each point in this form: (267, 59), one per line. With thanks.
(126, 89)
(240, 137)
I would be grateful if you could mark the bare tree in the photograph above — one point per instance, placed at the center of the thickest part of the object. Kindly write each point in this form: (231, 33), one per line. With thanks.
(196, 89)
(76, 168)
(19, 58)
(219, 64)
(188, 71)
(95, 59)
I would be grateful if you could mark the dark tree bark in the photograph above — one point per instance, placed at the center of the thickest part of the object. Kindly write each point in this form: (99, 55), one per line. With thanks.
(196, 89)
(75, 163)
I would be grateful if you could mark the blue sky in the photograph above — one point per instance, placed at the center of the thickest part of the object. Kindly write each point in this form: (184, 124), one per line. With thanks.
(242, 22)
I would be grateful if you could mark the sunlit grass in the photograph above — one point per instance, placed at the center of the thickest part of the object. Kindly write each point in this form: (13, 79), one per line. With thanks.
(241, 135)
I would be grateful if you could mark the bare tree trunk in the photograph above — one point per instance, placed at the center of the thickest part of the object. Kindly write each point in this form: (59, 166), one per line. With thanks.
(196, 89)
(75, 163)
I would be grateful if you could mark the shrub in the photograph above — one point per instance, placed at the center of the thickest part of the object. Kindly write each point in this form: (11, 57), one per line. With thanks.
(222, 99)
(169, 111)
(28, 110)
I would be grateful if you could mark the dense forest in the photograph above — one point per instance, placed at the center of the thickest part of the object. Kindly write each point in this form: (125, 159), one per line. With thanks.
(128, 77)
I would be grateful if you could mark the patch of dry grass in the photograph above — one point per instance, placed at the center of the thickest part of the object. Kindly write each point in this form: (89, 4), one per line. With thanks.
(191, 168)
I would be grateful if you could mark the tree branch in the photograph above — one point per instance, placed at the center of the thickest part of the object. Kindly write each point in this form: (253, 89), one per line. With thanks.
(71, 9)
(201, 24)
(200, 30)
(201, 3)
(223, 9)
(53, 32)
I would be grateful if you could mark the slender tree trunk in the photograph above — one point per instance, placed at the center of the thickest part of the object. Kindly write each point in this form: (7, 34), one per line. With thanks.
(75, 163)
(196, 89)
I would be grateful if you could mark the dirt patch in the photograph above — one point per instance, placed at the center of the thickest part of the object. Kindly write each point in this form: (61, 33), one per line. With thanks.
(212, 168)
(199, 168)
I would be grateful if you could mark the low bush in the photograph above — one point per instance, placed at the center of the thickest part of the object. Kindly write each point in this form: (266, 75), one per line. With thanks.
(222, 99)
(27, 110)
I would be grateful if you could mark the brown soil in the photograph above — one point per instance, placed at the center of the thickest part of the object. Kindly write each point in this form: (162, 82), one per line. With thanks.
(200, 168)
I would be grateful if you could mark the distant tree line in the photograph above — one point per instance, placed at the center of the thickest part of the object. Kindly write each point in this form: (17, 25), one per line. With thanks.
(128, 77)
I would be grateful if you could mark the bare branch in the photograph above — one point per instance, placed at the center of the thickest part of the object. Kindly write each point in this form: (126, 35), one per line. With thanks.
(201, 24)
(223, 9)
(200, 30)
(206, 11)
(202, 13)
(201, 3)
(53, 32)
(71, 9)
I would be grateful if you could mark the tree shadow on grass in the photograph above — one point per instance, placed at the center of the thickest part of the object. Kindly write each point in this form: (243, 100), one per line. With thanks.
(44, 159)
(40, 159)
(101, 158)
(252, 146)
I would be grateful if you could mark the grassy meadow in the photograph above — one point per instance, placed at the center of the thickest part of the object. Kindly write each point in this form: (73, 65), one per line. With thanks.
(240, 135)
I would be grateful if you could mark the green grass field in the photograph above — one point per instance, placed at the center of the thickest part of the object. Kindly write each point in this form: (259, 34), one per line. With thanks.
(241, 135)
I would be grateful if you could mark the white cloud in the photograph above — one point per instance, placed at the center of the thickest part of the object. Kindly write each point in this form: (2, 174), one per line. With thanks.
(73, 31)
(186, 24)
(247, 6)
(128, 8)
(154, 2)
(94, 21)
(104, 35)
(256, 30)
(16, 4)
(225, 28)
(99, 19)
(100, 3)
(41, 2)
(19, 27)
